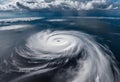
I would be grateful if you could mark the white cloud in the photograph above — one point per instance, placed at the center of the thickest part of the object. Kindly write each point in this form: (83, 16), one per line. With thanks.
(25, 19)
(41, 4)
(14, 27)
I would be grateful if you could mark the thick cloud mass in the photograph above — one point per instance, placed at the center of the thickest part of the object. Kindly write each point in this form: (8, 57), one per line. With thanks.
(49, 4)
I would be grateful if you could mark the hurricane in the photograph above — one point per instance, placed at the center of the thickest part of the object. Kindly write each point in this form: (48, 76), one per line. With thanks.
(49, 50)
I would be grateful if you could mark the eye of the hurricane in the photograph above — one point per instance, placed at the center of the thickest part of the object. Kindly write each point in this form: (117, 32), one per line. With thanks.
(58, 41)
(61, 41)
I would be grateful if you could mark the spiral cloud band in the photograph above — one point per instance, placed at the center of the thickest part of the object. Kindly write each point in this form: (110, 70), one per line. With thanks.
(47, 50)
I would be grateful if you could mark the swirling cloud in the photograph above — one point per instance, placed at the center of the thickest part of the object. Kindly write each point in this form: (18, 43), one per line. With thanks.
(57, 48)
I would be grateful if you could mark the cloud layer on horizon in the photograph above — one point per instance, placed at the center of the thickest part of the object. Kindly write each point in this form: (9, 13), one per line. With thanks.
(48, 4)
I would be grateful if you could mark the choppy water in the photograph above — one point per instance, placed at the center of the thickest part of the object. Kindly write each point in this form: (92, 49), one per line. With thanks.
(59, 49)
